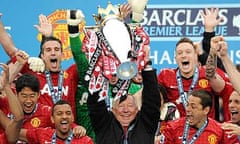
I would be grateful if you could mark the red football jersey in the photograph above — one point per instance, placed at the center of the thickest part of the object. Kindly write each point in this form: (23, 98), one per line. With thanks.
(3, 138)
(167, 77)
(225, 101)
(212, 134)
(44, 136)
(70, 81)
(40, 118)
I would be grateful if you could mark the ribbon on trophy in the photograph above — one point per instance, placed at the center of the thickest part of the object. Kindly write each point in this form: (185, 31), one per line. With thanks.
(120, 90)
(141, 39)
(110, 59)
(94, 55)
(102, 62)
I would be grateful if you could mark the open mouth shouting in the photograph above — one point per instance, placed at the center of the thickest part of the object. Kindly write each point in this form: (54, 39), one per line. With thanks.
(185, 64)
(190, 118)
(28, 108)
(235, 115)
(64, 125)
(54, 64)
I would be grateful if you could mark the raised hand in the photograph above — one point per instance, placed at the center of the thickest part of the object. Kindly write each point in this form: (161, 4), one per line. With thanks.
(211, 19)
(125, 10)
(79, 131)
(21, 56)
(222, 49)
(231, 128)
(198, 47)
(44, 27)
(218, 43)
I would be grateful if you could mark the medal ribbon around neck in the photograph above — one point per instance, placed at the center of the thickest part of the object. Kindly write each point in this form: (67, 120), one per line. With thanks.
(196, 135)
(67, 141)
(58, 95)
(181, 89)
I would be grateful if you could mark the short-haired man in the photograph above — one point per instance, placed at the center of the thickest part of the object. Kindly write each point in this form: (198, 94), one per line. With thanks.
(62, 117)
(36, 115)
(188, 76)
(126, 123)
(196, 127)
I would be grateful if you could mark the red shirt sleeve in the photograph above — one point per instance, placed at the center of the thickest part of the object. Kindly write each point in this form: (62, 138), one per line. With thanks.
(39, 135)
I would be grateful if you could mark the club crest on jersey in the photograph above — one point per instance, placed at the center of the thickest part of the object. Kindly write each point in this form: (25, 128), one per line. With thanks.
(212, 139)
(65, 75)
(35, 122)
(203, 83)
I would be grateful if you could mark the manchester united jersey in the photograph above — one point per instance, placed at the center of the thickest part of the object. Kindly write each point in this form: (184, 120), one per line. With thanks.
(45, 135)
(212, 134)
(167, 77)
(41, 117)
(69, 86)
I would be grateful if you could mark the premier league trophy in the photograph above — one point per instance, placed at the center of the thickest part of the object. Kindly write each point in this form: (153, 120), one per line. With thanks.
(114, 47)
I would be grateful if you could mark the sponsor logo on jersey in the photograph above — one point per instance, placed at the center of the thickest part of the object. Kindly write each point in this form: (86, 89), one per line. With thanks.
(46, 90)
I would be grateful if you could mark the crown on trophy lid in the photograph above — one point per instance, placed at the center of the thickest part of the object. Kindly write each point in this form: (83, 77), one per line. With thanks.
(105, 14)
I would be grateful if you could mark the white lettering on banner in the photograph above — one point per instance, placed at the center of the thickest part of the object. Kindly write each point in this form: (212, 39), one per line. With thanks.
(154, 57)
(221, 30)
(153, 18)
(164, 31)
(45, 90)
(166, 23)
(168, 57)
(223, 14)
(179, 17)
(195, 21)
(167, 16)
(194, 31)
(235, 56)
(165, 57)
(173, 31)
